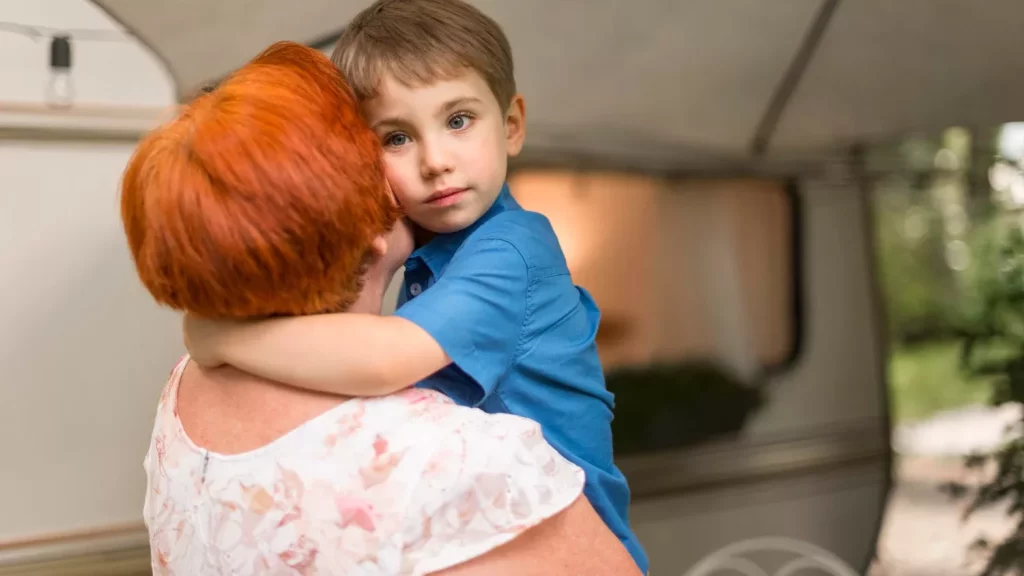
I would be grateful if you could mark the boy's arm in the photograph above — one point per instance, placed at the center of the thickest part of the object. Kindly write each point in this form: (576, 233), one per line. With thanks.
(472, 316)
(349, 354)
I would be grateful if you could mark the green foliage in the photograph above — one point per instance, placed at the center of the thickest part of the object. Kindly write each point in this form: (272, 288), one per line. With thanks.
(999, 323)
(910, 280)
(926, 378)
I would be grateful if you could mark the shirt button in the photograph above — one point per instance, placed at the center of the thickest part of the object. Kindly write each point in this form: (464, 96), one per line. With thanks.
(415, 289)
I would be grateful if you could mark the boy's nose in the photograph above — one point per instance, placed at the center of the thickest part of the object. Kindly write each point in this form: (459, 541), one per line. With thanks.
(434, 160)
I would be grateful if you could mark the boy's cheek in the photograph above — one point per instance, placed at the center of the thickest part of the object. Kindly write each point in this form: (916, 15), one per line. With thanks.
(398, 193)
(397, 185)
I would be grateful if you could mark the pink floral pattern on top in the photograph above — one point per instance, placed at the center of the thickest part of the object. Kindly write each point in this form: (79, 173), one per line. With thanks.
(403, 484)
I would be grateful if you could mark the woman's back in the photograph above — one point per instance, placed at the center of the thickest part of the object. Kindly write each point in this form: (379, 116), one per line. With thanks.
(404, 484)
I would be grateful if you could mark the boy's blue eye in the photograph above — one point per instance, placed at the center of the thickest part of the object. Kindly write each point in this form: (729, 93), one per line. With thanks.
(396, 140)
(458, 122)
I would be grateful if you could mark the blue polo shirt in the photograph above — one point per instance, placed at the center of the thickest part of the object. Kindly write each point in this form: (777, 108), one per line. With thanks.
(499, 300)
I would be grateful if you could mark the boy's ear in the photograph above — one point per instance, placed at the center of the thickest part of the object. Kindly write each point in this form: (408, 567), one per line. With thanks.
(515, 125)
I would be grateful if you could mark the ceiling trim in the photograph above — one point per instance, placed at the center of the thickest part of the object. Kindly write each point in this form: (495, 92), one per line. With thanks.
(787, 86)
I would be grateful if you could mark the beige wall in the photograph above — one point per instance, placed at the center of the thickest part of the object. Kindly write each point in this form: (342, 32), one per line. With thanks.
(84, 350)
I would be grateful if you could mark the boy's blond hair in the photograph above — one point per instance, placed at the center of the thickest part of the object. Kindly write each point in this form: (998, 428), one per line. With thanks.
(422, 41)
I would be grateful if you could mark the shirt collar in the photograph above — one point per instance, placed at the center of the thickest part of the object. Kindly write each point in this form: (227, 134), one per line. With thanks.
(439, 251)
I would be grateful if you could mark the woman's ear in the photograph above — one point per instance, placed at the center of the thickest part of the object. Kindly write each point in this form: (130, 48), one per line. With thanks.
(380, 246)
(391, 192)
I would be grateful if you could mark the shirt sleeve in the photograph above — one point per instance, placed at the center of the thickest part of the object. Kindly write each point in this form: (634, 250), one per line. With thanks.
(476, 309)
(489, 480)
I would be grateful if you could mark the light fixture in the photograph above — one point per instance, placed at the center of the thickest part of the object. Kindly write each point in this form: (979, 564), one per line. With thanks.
(60, 92)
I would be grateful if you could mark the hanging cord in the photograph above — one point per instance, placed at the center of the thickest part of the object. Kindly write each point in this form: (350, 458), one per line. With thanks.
(79, 34)
(61, 87)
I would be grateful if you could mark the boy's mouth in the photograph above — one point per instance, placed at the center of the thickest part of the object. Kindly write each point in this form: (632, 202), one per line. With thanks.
(446, 197)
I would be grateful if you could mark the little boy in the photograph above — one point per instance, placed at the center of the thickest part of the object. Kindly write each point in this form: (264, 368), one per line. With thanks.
(488, 314)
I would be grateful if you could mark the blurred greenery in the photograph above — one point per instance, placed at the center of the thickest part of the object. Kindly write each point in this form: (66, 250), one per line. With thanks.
(928, 378)
(936, 230)
(951, 265)
(949, 217)
(1000, 319)
(938, 236)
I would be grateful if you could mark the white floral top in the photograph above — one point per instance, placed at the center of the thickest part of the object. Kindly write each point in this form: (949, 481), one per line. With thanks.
(403, 484)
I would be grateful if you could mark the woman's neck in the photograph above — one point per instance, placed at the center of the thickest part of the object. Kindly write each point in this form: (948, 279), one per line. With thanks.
(370, 297)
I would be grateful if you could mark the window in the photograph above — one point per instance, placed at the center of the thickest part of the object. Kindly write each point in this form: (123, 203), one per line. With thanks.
(697, 287)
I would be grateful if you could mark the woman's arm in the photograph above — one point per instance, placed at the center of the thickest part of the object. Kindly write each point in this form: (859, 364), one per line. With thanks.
(573, 542)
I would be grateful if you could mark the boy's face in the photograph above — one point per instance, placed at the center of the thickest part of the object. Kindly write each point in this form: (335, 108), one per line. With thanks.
(446, 147)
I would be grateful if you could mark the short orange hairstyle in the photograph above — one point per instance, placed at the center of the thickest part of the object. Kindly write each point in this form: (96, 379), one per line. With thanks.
(263, 197)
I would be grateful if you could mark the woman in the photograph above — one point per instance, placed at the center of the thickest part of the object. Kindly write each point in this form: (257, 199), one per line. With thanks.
(267, 197)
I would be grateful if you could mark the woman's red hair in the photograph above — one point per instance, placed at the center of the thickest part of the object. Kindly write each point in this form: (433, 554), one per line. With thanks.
(263, 197)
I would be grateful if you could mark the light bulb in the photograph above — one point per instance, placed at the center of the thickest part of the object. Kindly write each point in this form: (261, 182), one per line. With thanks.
(60, 90)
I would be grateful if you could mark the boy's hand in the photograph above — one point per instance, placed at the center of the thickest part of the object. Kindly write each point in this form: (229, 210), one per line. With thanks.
(202, 338)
